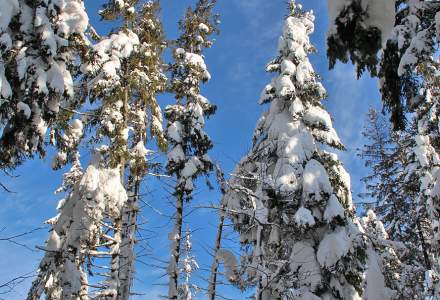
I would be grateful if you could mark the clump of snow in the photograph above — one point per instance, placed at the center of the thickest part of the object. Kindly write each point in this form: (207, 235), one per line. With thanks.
(176, 154)
(288, 67)
(197, 61)
(284, 86)
(333, 247)
(304, 72)
(5, 88)
(23, 107)
(139, 150)
(180, 52)
(296, 107)
(191, 167)
(110, 52)
(286, 181)
(382, 15)
(303, 260)
(303, 217)
(76, 129)
(315, 115)
(333, 209)
(73, 18)
(315, 180)
(421, 150)
(54, 242)
(204, 28)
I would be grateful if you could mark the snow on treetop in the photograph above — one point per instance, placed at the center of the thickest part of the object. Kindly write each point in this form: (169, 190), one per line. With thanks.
(73, 18)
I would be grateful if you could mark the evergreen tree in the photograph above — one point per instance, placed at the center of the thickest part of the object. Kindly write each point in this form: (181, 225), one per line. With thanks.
(189, 144)
(289, 199)
(401, 184)
(40, 46)
(408, 73)
(97, 222)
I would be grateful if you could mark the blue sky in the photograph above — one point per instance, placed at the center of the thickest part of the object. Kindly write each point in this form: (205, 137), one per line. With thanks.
(248, 40)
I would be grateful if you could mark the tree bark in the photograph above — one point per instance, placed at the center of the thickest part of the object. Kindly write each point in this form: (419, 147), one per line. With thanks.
(215, 263)
(176, 235)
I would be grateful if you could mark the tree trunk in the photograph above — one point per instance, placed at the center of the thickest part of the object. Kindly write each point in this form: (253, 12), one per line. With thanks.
(214, 266)
(129, 223)
(175, 237)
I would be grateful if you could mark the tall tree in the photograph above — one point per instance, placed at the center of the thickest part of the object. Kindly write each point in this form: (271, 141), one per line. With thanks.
(408, 71)
(189, 144)
(97, 222)
(401, 184)
(289, 199)
(40, 46)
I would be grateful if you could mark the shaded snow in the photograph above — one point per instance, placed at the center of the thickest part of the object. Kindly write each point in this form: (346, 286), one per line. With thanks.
(303, 217)
(315, 180)
(333, 247)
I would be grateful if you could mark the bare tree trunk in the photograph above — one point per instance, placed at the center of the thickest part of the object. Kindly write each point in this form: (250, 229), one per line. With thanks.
(130, 214)
(175, 237)
(214, 267)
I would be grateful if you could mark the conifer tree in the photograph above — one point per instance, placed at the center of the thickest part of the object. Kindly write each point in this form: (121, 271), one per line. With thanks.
(40, 46)
(401, 183)
(289, 199)
(97, 222)
(189, 144)
(408, 73)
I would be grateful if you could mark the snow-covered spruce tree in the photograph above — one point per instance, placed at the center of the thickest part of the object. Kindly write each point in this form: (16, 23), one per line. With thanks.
(145, 79)
(85, 226)
(123, 75)
(401, 182)
(40, 46)
(289, 199)
(189, 144)
(389, 38)
(408, 73)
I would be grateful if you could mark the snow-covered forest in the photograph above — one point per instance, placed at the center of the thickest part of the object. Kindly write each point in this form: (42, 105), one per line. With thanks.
(231, 149)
